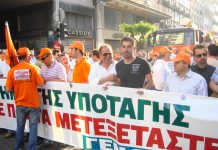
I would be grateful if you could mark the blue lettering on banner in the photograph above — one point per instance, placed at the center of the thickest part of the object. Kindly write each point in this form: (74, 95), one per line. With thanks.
(94, 143)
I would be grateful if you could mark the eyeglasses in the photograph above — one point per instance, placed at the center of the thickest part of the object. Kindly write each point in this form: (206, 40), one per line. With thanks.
(43, 58)
(105, 54)
(200, 55)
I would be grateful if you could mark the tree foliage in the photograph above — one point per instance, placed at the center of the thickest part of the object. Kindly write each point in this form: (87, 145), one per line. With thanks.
(139, 31)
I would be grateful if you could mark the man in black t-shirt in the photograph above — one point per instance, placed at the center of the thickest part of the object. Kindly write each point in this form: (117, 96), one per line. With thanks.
(201, 67)
(132, 71)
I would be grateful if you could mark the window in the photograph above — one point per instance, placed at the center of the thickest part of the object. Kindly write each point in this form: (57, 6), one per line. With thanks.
(113, 18)
(77, 21)
(128, 18)
(28, 21)
(170, 38)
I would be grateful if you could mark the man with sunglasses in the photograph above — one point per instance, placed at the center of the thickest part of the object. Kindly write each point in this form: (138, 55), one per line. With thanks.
(103, 72)
(202, 67)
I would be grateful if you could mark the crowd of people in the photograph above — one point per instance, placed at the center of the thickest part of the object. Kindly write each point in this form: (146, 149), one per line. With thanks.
(182, 70)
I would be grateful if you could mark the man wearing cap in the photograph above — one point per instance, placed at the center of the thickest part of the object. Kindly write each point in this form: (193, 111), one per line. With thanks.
(82, 67)
(23, 79)
(51, 70)
(202, 67)
(183, 80)
(161, 69)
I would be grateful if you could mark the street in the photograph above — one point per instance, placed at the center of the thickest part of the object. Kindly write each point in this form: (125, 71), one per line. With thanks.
(9, 144)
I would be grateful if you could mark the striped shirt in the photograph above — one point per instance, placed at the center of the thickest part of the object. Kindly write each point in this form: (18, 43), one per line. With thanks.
(55, 71)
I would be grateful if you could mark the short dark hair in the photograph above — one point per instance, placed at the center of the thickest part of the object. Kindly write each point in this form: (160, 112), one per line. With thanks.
(2, 52)
(128, 39)
(199, 46)
(22, 57)
(213, 50)
(95, 53)
(55, 52)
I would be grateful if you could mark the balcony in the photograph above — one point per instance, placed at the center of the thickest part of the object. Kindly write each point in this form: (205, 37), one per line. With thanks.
(153, 11)
(166, 3)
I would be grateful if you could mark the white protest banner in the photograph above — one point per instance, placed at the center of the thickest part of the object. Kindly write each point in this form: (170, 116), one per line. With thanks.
(88, 117)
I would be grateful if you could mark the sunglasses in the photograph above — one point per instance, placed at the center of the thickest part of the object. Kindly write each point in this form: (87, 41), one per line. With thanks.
(200, 55)
(105, 54)
(43, 58)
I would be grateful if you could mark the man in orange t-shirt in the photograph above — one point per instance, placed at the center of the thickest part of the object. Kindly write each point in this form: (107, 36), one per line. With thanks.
(23, 79)
(82, 67)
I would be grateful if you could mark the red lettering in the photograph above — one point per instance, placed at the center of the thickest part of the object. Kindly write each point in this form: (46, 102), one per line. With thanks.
(111, 129)
(193, 140)
(64, 121)
(121, 133)
(139, 133)
(173, 136)
(45, 117)
(11, 110)
(1, 110)
(155, 137)
(209, 144)
(98, 126)
(75, 122)
(87, 120)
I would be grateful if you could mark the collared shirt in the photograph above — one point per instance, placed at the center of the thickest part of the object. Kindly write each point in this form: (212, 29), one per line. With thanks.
(98, 71)
(70, 75)
(192, 83)
(212, 61)
(215, 76)
(4, 68)
(54, 71)
(81, 71)
(160, 73)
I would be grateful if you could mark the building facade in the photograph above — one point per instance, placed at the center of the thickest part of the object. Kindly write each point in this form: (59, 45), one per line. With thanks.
(111, 14)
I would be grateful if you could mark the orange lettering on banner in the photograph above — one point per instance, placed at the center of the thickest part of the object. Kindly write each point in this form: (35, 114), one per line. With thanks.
(75, 122)
(45, 117)
(139, 133)
(121, 133)
(11, 110)
(87, 120)
(210, 144)
(155, 137)
(98, 126)
(173, 136)
(111, 129)
(193, 140)
(64, 121)
(1, 110)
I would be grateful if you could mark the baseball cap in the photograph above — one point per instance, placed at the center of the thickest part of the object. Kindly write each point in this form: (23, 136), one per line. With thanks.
(23, 51)
(154, 54)
(77, 44)
(44, 51)
(164, 50)
(186, 50)
(182, 56)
